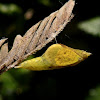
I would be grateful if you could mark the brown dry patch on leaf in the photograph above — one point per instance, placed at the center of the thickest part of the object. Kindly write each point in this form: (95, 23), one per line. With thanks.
(35, 38)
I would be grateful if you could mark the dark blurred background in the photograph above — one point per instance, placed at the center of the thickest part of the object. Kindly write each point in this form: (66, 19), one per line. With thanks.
(81, 82)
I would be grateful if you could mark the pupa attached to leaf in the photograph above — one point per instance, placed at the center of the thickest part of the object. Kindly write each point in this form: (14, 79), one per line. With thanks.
(56, 56)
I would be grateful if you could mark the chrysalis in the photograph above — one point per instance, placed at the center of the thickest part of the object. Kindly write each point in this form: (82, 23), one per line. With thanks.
(56, 56)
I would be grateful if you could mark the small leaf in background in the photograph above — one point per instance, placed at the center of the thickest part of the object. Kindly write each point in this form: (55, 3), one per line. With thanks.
(45, 2)
(91, 26)
(29, 14)
(94, 94)
(9, 9)
(9, 84)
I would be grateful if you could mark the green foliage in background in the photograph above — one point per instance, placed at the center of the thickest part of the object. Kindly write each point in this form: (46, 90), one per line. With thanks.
(11, 83)
(9, 9)
(91, 26)
(94, 94)
(11, 20)
(45, 2)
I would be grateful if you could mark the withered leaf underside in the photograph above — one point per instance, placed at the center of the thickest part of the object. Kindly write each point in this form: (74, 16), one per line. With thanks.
(35, 38)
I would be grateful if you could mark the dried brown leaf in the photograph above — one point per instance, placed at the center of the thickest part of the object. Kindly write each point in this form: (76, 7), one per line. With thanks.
(36, 37)
(4, 51)
(2, 41)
